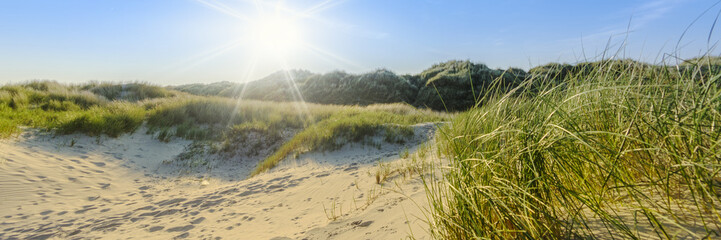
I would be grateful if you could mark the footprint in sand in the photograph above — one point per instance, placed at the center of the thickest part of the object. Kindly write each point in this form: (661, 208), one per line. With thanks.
(171, 201)
(180, 229)
(85, 209)
(155, 228)
(361, 223)
(167, 212)
(184, 235)
(99, 164)
(145, 208)
(322, 175)
(198, 220)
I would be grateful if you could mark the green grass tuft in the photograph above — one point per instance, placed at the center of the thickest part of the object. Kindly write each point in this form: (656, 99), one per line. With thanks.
(353, 124)
(112, 120)
(617, 145)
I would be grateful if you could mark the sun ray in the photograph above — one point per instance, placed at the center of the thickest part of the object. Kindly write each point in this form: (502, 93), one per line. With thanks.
(191, 62)
(258, 5)
(222, 8)
(325, 5)
(274, 31)
(298, 99)
(207, 56)
(250, 70)
(215, 54)
(323, 53)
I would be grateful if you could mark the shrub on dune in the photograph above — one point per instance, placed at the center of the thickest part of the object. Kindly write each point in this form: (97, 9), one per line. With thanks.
(458, 85)
(381, 86)
(129, 91)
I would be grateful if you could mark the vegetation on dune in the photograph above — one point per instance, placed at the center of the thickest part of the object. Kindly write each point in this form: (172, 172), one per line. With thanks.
(113, 120)
(41, 93)
(128, 91)
(381, 86)
(459, 85)
(12, 119)
(41, 104)
(546, 154)
(353, 124)
(86, 109)
(700, 68)
(447, 86)
(211, 89)
(555, 71)
(91, 108)
(598, 152)
(213, 118)
(274, 87)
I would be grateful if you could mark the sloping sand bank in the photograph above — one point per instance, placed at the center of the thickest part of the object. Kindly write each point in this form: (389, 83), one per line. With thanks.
(78, 187)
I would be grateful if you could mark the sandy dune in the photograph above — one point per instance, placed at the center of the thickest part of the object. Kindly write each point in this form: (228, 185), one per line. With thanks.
(78, 187)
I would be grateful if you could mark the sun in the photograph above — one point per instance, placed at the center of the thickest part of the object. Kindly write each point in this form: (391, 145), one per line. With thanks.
(276, 35)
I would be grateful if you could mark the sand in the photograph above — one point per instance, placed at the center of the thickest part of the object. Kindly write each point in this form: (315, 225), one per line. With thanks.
(79, 187)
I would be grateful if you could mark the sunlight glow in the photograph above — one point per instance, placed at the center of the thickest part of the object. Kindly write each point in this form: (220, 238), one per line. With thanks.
(276, 35)
(274, 31)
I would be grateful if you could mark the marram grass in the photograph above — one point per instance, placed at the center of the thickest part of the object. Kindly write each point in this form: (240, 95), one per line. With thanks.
(353, 124)
(595, 155)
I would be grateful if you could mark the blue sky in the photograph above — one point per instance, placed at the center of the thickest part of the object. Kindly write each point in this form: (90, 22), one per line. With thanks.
(170, 42)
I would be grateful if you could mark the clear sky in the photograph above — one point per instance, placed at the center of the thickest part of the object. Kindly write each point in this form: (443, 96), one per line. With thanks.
(171, 42)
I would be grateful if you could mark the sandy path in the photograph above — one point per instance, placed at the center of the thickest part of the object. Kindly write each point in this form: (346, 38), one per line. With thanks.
(110, 189)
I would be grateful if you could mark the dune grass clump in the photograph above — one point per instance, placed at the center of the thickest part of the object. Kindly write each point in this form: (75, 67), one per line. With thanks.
(595, 155)
(40, 93)
(41, 104)
(128, 91)
(76, 108)
(216, 115)
(113, 120)
(380, 86)
(311, 126)
(243, 133)
(11, 119)
(353, 124)
(458, 85)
